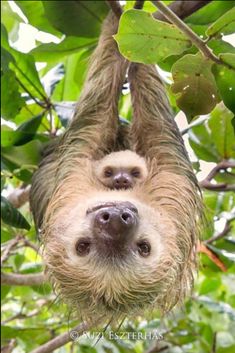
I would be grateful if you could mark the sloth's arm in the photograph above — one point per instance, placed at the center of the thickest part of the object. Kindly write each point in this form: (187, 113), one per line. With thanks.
(95, 123)
(154, 131)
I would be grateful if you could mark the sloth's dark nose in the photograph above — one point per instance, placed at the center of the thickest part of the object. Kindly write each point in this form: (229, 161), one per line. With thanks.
(122, 181)
(117, 221)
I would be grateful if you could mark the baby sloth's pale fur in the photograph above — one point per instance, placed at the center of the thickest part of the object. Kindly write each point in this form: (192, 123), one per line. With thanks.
(168, 199)
(121, 161)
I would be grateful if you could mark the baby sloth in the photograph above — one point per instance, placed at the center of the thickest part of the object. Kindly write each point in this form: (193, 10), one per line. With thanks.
(121, 170)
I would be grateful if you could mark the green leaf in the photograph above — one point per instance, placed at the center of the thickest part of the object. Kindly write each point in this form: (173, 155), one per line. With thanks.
(11, 99)
(67, 89)
(9, 18)
(209, 285)
(34, 11)
(24, 68)
(6, 58)
(4, 291)
(27, 154)
(195, 85)
(27, 74)
(202, 145)
(228, 58)
(12, 216)
(23, 134)
(52, 52)
(225, 24)
(211, 12)
(76, 18)
(219, 46)
(142, 39)
(225, 79)
(222, 133)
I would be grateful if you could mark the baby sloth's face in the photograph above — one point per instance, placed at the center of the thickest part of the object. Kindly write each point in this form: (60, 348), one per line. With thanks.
(121, 170)
(109, 255)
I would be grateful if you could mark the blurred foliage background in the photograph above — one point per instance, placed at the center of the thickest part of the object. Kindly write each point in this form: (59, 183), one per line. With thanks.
(45, 50)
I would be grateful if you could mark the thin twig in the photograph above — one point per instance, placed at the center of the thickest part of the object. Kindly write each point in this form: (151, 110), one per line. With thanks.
(197, 41)
(31, 83)
(11, 244)
(31, 245)
(207, 184)
(27, 91)
(220, 166)
(213, 348)
(222, 234)
(10, 347)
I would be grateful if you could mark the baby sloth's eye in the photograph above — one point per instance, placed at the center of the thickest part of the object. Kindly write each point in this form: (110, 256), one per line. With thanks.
(108, 172)
(135, 172)
(83, 246)
(144, 248)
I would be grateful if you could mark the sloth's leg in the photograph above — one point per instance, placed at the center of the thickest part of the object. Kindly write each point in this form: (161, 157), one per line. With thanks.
(154, 132)
(172, 184)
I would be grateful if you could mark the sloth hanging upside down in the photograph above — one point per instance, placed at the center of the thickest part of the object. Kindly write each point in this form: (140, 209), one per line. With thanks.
(119, 225)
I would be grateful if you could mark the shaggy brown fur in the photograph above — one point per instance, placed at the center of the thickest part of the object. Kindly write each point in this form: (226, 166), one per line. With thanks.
(167, 201)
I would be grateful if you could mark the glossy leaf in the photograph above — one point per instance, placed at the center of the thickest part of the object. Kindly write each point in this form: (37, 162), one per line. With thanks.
(228, 58)
(11, 98)
(222, 133)
(34, 11)
(28, 154)
(66, 15)
(210, 13)
(202, 145)
(23, 134)
(52, 52)
(225, 24)
(10, 20)
(195, 85)
(12, 216)
(142, 39)
(24, 68)
(225, 79)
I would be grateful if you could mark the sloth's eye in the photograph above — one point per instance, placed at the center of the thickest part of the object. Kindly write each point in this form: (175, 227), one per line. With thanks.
(83, 247)
(108, 172)
(135, 173)
(144, 248)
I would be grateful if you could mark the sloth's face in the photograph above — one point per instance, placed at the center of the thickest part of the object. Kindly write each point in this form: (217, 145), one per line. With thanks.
(111, 255)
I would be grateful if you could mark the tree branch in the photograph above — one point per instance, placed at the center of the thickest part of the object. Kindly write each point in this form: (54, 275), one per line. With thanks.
(222, 234)
(206, 183)
(9, 246)
(182, 8)
(195, 39)
(64, 338)
(16, 279)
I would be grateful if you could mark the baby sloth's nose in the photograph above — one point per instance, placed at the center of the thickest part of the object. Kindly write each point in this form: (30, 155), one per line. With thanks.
(122, 181)
(118, 221)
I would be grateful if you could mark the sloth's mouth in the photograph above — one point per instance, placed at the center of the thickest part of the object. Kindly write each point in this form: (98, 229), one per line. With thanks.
(128, 205)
